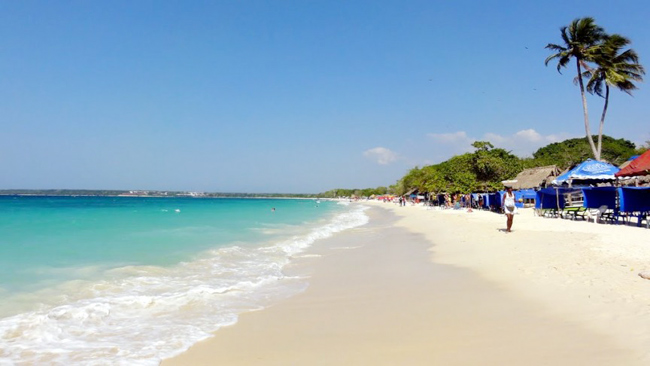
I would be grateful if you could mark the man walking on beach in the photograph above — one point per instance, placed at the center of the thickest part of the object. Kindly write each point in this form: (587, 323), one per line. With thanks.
(509, 207)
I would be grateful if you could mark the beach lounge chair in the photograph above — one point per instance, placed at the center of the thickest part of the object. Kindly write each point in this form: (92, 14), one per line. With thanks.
(547, 212)
(575, 212)
(609, 216)
(597, 213)
(602, 213)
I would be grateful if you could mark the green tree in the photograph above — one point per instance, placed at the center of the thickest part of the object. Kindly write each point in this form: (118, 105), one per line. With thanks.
(615, 68)
(434, 182)
(493, 165)
(482, 145)
(399, 188)
(483, 169)
(573, 151)
(414, 179)
(582, 39)
(458, 174)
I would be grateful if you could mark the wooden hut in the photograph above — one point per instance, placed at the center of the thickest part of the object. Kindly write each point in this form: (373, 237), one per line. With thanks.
(535, 178)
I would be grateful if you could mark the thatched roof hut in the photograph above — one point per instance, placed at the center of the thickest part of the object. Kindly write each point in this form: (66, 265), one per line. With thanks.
(535, 177)
(639, 181)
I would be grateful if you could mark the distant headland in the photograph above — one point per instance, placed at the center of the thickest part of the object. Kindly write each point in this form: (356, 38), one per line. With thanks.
(146, 193)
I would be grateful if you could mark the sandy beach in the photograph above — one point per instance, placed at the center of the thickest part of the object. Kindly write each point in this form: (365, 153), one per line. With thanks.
(421, 286)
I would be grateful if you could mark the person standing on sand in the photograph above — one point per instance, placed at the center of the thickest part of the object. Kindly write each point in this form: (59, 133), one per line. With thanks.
(509, 207)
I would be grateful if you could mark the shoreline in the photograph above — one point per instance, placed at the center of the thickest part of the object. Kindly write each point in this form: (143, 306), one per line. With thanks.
(154, 282)
(415, 287)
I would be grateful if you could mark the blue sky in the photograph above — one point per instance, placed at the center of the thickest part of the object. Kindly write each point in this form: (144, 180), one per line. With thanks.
(287, 96)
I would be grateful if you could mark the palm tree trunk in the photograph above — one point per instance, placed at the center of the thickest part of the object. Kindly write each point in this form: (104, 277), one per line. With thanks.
(586, 113)
(602, 120)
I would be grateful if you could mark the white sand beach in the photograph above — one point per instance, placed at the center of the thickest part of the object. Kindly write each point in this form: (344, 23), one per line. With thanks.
(423, 286)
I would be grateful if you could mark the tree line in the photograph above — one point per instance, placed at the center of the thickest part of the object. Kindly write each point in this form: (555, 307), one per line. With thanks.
(487, 166)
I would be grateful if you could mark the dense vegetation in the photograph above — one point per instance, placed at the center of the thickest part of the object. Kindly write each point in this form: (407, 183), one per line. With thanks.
(484, 169)
(366, 192)
(570, 152)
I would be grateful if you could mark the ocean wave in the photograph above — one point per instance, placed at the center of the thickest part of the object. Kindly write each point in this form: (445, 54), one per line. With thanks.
(138, 315)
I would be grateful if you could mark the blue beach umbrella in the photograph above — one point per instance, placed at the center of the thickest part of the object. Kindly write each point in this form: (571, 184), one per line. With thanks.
(588, 170)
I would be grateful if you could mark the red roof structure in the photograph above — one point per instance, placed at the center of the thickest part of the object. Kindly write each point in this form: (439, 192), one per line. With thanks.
(638, 166)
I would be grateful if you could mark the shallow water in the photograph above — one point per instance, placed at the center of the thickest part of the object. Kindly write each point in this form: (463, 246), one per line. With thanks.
(111, 280)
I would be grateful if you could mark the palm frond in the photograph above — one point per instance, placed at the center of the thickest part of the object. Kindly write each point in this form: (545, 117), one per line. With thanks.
(564, 60)
(615, 67)
(626, 86)
(565, 35)
(595, 85)
(555, 47)
(629, 56)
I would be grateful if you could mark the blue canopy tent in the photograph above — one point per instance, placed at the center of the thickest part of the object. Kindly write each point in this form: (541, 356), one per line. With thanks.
(551, 198)
(635, 200)
(493, 201)
(588, 170)
(527, 193)
(523, 195)
(596, 197)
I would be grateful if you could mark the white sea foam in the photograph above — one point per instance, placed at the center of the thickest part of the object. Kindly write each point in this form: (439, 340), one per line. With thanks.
(139, 315)
(307, 256)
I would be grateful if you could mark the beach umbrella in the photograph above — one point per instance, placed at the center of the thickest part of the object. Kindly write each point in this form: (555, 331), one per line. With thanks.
(628, 161)
(638, 166)
(588, 170)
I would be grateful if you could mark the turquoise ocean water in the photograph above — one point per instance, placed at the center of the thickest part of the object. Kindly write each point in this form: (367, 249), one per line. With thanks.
(127, 280)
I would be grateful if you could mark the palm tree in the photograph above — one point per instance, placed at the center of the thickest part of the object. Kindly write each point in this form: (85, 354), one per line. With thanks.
(613, 68)
(581, 41)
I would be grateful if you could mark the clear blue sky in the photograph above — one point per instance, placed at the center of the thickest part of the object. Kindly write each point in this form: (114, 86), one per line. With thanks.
(287, 96)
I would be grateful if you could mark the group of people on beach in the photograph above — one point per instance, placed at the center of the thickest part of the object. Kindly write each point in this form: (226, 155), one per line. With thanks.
(465, 201)
(458, 201)
(402, 201)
